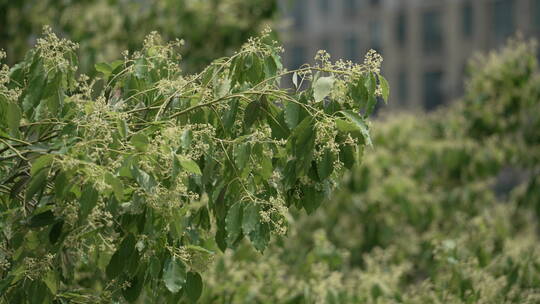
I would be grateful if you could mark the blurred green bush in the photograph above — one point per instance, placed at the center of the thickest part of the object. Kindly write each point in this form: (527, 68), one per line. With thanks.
(105, 28)
(444, 209)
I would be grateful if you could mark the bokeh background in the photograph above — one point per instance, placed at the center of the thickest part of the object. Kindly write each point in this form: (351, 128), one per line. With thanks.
(426, 44)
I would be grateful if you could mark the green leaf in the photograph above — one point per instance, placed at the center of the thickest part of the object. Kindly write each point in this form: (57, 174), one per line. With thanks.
(42, 219)
(56, 231)
(174, 275)
(88, 200)
(40, 163)
(384, 87)
(270, 66)
(144, 179)
(241, 155)
(189, 165)
(322, 87)
(295, 79)
(104, 68)
(325, 165)
(347, 156)
(230, 115)
(252, 113)
(354, 123)
(132, 293)
(255, 72)
(116, 184)
(122, 126)
(194, 286)
(61, 184)
(36, 85)
(13, 117)
(51, 279)
(312, 199)
(260, 237)
(250, 218)
(233, 223)
(292, 114)
(304, 143)
(37, 183)
(140, 142)
(371, 84)
(120, 258)
(223, 88)
(358, 92)
(154, 268)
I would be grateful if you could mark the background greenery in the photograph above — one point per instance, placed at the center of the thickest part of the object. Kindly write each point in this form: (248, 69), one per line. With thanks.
(105, 28)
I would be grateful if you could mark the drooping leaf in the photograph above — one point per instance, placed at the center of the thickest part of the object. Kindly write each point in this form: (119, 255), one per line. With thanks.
(116, 185)
(242, 153)
(312, 199)
(295, 79)
(120, 258)
(292, 114)
(354, 123)
(260, 237)
(325, 165)
(140, 142)
(322, 87)
(88, 200)
(143, 179)
(51, 280)
(42, 219)
(132, 293)
(234, 223)
(174, 274)
(56, 231)
(104, 68)
(37, 183)
(40, 163)
(250, 218)
(189, 165)
(384, 87)
(13, 117)
(252, 113)
(194, 286)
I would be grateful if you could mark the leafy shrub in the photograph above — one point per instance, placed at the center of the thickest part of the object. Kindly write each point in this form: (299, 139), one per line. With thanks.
(128, 183)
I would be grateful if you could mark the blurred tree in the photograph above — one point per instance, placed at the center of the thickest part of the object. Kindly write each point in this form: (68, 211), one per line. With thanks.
(104, 28)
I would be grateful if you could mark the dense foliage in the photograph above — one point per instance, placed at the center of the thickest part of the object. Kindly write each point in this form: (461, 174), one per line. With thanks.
(444, 209)
(130, 182)
(105, 28)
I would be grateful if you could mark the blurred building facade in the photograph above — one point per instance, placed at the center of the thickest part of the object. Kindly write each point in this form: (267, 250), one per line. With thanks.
(425, 43)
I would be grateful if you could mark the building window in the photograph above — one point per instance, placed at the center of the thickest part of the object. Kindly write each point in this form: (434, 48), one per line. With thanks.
(298, 57)
(325, 44)
(299, 15)
(351, 48)
(324, 6)
(401, 29)
(536, 13)
(503, 19)
(433, 91)
(350, 7)
(467, 18)
(375, 35)
(432, 31)
(403, 88)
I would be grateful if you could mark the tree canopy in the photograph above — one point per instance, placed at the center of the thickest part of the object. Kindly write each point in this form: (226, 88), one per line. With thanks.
(127, 183)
